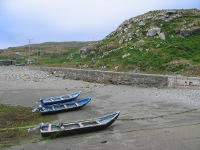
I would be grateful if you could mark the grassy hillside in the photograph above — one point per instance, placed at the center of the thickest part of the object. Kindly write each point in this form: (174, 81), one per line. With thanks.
(42, 52)
(163, 41)
(175, 47)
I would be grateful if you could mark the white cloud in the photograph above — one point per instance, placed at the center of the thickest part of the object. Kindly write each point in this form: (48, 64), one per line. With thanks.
(81, 19)
(72, 14)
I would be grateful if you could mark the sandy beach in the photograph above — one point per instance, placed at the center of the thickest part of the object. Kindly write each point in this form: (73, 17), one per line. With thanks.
(150, 118)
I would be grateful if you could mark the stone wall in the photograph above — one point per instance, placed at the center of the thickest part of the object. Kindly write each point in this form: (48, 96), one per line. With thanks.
(133, 79)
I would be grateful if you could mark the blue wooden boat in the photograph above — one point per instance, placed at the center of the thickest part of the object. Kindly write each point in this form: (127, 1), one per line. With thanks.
(60, 99)
(65, 129)
(61, 107)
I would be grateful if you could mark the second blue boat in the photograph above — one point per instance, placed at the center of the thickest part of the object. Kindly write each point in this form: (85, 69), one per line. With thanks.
(61, 107)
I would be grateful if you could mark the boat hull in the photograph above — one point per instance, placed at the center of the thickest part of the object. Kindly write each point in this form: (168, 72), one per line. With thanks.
(60, 99)
(80, 130)
(69, 106)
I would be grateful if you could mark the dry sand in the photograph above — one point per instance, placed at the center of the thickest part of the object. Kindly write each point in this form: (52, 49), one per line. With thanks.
(151, 118)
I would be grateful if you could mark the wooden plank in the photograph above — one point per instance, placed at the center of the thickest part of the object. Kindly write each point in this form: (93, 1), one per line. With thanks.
(98, 121)
(77, 104)
(49, 128)
(80, 124)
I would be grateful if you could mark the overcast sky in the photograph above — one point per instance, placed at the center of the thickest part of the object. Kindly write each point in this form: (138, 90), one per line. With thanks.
(72, 20)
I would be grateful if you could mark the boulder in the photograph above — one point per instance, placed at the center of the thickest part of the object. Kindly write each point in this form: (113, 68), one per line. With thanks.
(148, 17)
(162, 36)
(130, 35)
(92, 52)
(125, 29)
(86, 51)
(123, 26)
(153, 31)
(141, 24)
(185, 32)
(135, 20)
(171, 15)
(195, 29)
(121, 41)
(126, 55)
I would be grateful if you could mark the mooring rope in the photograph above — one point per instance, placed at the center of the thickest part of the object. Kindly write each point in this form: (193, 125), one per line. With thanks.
(121, 119)
(21, 127)
(155, 117)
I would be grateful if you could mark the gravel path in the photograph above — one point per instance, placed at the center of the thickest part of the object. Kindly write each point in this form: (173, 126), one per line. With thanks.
(150, 118)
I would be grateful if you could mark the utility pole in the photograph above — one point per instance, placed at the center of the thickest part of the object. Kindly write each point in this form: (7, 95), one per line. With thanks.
(38, 52)
(29, 48)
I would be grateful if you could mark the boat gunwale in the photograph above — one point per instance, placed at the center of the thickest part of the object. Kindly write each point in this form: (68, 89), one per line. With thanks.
(84, 127)
(86, 100)
(50, 99)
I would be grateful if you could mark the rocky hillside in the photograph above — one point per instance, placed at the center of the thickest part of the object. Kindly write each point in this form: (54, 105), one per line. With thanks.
(51, 46)
(22, 53)
(163, 41)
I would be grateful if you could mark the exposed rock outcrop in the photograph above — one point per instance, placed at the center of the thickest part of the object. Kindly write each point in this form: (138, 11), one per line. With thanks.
(153, 31)
(154, 24)
(88, 50)
(185, 32)
(162, 36)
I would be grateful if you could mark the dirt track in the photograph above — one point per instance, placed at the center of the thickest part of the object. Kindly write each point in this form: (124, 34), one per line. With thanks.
(150, 118)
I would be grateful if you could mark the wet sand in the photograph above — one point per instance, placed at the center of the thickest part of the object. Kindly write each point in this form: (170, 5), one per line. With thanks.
(150, 118)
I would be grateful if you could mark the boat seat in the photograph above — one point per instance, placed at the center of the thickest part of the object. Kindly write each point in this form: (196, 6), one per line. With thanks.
(77, 104)
(80, 124)
(49, 128)
(98, 121)
(53, 108)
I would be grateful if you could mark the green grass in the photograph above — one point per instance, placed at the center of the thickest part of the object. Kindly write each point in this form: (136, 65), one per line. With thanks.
(14, 124)
(155, 60)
